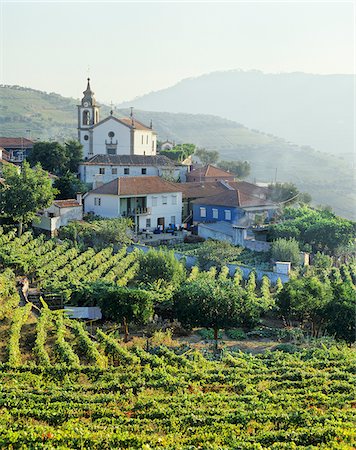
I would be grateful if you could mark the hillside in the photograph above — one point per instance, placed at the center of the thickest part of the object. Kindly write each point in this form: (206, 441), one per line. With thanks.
(308, 109)
(327, 178)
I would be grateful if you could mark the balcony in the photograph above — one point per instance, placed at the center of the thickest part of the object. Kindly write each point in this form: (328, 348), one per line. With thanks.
(136, 212)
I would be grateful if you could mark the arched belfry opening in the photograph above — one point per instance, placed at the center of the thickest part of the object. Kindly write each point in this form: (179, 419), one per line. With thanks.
(86, 117)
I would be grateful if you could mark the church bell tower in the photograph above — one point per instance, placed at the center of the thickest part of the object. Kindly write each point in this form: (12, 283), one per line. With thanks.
(88, 115)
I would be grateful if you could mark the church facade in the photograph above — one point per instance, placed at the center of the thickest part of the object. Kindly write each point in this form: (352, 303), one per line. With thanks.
(112, 135)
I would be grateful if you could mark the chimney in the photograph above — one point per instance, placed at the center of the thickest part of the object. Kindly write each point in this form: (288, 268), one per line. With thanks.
(80, 198)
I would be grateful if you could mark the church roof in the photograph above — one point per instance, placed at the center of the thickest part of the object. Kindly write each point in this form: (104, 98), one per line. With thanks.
(136, 186)
(135, 124)
(130, 160)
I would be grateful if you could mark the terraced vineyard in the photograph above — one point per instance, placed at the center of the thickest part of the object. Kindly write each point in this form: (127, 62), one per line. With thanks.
(76, 391)
(58, 267)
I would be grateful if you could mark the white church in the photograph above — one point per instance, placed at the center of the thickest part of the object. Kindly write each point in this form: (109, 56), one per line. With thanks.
(112, 135)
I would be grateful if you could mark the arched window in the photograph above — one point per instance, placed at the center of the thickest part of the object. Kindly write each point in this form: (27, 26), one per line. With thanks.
(86, 117)
(96, 116)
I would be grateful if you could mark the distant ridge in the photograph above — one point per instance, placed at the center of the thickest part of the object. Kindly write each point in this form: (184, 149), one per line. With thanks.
(327, 178)
(307, 109)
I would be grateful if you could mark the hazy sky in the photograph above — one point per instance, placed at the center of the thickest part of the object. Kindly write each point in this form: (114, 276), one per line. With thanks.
(132, 48)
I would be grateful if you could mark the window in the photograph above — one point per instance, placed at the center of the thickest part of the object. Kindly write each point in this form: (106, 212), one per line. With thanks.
(227, 214)
(114, 171)
(202, 212)
(111, 134)
(97, 201)
(164, 200)
(154, 201)
(215, 213)
(148, 223)
(86, 137)
(102, 171)
(144, 171)
(86, 118)
(126, 171)
(111, 151)
(173, 220)
(147, 139)
(142, 139)
(174, 199)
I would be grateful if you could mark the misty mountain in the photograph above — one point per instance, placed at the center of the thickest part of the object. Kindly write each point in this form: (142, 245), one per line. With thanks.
(306, 109)
(327, 178)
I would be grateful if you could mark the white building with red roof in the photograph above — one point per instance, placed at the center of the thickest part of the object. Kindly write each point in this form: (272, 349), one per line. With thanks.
(151, 202)
(112, 135)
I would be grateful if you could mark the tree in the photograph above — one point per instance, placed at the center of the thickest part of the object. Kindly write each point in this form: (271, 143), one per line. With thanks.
(206, 156)
(119, 303)
(99, 233)
(74, 152)
(155, 265)
(51, 155)
(283, 192)
(341, 311)
(56, 158)
(286, 250)
(24, 193)
(216, 253)
(216, 302)
(241, 169)
(68, 185)
(304, 300)
(179, 152)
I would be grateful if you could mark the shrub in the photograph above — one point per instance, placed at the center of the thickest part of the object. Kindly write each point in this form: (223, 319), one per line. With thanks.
(286, 250)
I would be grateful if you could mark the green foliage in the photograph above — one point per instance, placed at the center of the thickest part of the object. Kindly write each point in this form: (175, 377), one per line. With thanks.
(236, 334)
(241, 169)
(340, 312)
(321, 229)
(68, 186)
(206, 156)
(57, 158)
(286, 250)
(119, 303)
(25, 193)
(62, 348)
(9, 297)
(179, 152)
(43, 323)
(216, 253)
(208, 334)
(98, 233)
(74, 153)
(321, 305)
(87, 346)
(19, 319)
(161, 267)
(215, 302)
(283, 192)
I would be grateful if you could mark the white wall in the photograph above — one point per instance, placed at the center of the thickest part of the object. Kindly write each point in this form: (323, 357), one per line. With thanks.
(145, 142)
(110, 207)
(90, 173)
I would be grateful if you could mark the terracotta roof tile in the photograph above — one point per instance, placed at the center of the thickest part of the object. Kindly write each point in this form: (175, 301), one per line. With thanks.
(69, 203)
(136, 186)
(210, 172)
(195, 189)
(234, 198)
(16, 142)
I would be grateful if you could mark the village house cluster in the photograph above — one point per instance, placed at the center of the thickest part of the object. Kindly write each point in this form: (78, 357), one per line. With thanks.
(129, 178)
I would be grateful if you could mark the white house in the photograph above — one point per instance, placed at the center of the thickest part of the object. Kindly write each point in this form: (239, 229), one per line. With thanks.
(101, 169)
(112, 135)
(59, 214)
(151, 202)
